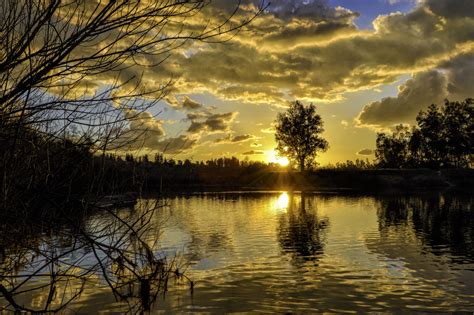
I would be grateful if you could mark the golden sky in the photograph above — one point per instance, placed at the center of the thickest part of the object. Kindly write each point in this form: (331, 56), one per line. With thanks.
(366, 64)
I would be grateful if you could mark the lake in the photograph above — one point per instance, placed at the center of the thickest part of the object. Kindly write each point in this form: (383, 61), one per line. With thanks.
(288, 252)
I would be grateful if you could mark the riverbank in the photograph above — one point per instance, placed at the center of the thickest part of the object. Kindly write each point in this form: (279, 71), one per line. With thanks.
(377, 180)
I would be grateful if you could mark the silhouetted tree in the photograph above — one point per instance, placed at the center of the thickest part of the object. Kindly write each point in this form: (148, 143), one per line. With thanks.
(443, 137)
(298, 134)
(392, 151)
(431, 131)
(52, 52)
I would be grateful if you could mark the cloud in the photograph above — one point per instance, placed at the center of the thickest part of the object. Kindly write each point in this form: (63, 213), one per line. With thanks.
(365, 152)
(270, 129)
(292, 9)
(211, 123)
(414, 95)
(453, 79)
(143, 131)
(311, 51)
(253, 152)
(176, 145)
(308, 50)
(344, 123)
(451, 8)
(235, 139)
(256, 145)
(190, 104)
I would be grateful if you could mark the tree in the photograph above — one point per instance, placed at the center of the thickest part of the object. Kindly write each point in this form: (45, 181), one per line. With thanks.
(431, 133)
(75, 71)
(53, 52)
(298, 134)
(443, 137)
(458, 132)
(393, 150)
(72, 76)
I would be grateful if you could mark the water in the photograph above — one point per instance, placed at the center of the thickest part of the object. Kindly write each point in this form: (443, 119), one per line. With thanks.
(283, 252)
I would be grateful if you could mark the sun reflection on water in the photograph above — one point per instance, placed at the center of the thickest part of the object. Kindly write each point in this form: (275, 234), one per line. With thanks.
(281, 204)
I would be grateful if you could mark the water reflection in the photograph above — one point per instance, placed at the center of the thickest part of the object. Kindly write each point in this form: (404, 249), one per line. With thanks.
(281, 203)
(443, 224)
(286, 252)
(301, 231)
(53, 268)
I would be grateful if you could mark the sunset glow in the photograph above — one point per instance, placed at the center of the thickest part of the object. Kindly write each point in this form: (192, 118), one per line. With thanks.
(236, 156)
(273, 157)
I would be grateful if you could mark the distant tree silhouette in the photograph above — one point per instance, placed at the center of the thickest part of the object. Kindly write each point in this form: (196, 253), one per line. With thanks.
(298, 134)
(443, 137)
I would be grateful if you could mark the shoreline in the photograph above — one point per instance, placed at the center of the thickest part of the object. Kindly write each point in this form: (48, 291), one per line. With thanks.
(326, 181)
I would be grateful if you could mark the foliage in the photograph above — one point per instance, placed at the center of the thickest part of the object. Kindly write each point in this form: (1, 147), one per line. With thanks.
(393, 150)
(298, 134)
(443, 137)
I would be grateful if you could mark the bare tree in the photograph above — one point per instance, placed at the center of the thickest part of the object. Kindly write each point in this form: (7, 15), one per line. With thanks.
(72, 77)
(50, 50)
(74, 69)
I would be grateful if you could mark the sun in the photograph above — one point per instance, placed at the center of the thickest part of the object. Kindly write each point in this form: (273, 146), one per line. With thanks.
(273, 157)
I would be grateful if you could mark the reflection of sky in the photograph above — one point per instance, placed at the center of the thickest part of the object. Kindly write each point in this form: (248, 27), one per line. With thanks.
(357, 263)
(239, 263)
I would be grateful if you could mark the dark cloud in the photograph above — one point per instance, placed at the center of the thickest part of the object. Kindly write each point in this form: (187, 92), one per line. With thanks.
(190, 104)
(365, 152)
(309, 9)
(253, 152)
(211, 123)
(460, 73)
(289, 9)
(144, 131)
(414, 95)
(301, 33)
(176, 145)
(235, 139)
(453, 80)
(451, 8)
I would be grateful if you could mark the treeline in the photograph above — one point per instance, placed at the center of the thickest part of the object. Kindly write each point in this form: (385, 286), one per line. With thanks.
(442, 138)
(358, 164)
(164, 174)
(40, 172)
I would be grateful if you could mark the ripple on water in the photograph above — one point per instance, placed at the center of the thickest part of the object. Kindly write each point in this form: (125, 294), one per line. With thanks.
(306, 254)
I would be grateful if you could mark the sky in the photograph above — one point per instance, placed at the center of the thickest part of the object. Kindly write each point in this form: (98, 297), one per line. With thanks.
(367, 65)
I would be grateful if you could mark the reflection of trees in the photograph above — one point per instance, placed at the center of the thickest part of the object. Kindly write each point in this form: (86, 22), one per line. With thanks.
(55, 265)
(301, 230)
(439, 221)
